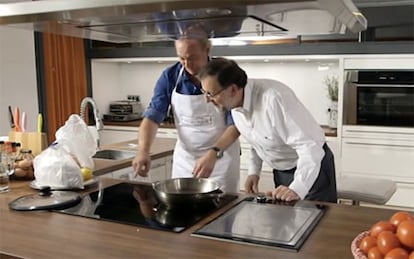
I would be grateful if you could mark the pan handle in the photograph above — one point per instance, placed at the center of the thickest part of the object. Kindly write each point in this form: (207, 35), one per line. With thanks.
(217, 194)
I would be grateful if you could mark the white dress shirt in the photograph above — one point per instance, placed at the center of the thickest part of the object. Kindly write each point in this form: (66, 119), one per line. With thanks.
(281, 131)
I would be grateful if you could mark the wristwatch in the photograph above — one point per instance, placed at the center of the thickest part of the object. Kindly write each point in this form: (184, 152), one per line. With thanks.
(219, 152)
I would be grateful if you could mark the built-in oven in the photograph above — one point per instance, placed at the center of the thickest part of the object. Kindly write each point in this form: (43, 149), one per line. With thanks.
(378, 125)
(379, 98)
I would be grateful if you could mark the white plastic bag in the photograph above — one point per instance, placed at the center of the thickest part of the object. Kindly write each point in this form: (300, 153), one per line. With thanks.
(60, 164)
(77, 140)
(57, 168)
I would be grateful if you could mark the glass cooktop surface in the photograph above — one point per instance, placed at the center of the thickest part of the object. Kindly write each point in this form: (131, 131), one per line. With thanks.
(136, 204)
(282, 225)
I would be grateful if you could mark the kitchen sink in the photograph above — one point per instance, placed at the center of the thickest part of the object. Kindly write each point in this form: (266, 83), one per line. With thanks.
(114, 154)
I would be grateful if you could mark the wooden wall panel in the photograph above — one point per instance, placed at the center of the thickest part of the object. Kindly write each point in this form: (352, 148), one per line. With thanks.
(65, 79)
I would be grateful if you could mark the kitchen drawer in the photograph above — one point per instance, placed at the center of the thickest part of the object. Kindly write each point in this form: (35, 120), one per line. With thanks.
(374, 158)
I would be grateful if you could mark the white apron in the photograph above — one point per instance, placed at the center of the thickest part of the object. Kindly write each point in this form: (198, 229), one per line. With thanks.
(199, 125)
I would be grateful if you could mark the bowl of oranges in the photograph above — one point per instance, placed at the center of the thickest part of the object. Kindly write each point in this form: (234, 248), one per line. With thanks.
(387, 239)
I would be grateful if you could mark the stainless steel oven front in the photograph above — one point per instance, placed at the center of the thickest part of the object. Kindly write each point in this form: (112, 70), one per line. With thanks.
(379, 98)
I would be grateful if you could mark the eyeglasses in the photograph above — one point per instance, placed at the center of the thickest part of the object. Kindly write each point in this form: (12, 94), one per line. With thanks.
(210, 95)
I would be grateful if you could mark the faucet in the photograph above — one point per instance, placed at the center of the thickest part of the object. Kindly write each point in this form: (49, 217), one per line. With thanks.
(98, 121)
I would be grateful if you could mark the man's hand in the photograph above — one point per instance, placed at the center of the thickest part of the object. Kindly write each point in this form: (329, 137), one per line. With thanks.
(141, 164)
(251, 184)
(283, 193)
(204, 165)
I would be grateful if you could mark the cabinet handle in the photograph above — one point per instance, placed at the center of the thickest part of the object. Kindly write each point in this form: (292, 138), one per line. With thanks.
(377, 132)
(379, 145)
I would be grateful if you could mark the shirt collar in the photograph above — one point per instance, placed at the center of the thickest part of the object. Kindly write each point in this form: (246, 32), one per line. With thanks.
(247, 98)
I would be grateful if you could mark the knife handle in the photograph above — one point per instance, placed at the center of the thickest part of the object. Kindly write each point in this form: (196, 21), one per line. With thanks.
(39, 123)
(17, 118)
(23, 124)
(11, 118)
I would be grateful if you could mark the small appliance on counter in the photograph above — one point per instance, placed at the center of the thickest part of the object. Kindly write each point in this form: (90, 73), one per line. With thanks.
(124, 110)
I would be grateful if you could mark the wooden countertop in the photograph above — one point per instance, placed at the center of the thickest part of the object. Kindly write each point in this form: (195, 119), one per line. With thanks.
(160, 148)
(43, 234)
(329, 132)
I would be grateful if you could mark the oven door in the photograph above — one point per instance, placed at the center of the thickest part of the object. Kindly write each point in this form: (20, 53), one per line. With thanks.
(385, 105)
(379, 98)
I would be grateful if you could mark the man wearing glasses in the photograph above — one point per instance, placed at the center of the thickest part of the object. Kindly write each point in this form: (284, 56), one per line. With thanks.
(279, 128)
(207, 144)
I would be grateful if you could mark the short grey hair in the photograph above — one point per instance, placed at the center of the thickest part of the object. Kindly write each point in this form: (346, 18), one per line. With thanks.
(196, 32)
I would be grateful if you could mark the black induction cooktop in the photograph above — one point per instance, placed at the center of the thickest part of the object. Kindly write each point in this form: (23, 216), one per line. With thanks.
(136, 204)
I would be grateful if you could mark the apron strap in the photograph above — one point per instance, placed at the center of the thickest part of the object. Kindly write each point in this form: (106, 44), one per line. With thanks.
(169, 110)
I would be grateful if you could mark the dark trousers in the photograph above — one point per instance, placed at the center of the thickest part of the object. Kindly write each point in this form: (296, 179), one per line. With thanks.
(324, 188)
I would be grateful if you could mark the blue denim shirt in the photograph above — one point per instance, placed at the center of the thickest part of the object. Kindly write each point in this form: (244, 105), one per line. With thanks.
(161, 100)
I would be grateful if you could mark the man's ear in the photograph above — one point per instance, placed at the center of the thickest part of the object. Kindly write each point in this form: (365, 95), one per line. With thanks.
(233, 89)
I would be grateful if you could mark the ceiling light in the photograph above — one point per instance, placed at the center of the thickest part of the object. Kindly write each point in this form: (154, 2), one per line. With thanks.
(228, 42)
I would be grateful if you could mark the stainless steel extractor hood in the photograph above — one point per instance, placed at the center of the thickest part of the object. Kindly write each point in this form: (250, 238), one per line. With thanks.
(122, 21)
